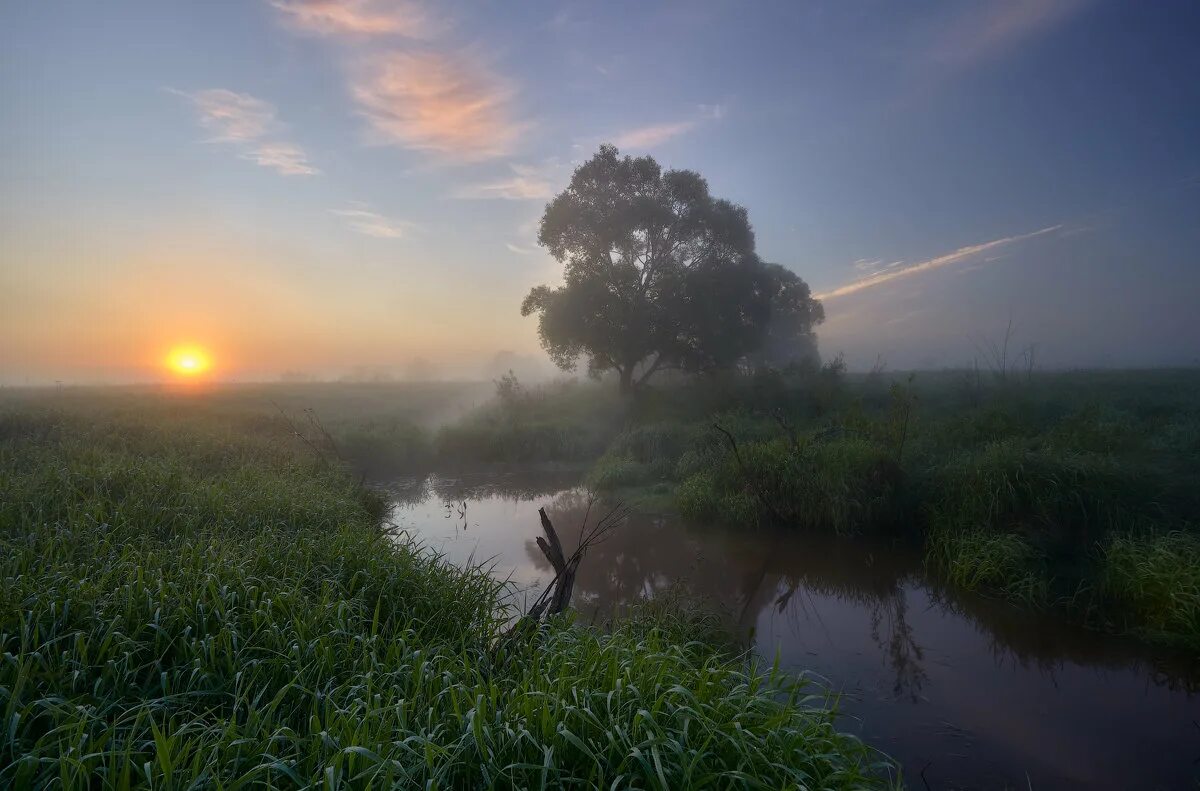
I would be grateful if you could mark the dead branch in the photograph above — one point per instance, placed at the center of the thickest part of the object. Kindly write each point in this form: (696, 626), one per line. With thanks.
(556, 597)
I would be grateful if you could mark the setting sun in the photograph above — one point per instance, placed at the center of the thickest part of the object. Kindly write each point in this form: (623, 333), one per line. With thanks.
(187, 360)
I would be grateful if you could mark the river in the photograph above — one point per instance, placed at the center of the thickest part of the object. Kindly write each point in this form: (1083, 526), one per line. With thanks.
(963, 691)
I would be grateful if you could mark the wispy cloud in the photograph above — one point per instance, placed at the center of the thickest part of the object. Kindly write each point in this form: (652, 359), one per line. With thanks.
(895, 271)
(653, 135)
(513, 248)
(286, 158)
(427, 93)
(248, 123)
(527, 182)
(359, 17)
(982, 31)
(232, 117)
(433, 101)
(362, 220)
(644, 137)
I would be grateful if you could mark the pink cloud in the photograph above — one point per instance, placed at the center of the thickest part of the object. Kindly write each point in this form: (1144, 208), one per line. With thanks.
(438, 102)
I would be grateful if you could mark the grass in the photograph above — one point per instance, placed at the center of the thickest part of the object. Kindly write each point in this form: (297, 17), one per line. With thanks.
(844, 484)
(1020, 489)
(1016, 488)
(560, 422)
(996, 562)
(1153, 585)
(186, 603)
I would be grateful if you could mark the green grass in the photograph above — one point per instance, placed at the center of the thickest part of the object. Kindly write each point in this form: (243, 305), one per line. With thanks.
(1015, 488)
(993, 562)
(186, 604)
(1153, 585)
(844, 485)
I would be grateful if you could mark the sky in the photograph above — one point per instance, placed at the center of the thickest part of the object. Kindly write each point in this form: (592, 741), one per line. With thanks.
(338, 185)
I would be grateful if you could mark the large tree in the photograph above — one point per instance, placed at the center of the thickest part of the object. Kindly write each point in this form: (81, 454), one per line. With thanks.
(658, 274)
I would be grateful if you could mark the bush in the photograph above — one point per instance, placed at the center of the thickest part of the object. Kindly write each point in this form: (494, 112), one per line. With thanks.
(641, 455)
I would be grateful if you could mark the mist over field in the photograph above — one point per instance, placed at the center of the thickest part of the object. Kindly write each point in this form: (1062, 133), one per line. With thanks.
(696, 393)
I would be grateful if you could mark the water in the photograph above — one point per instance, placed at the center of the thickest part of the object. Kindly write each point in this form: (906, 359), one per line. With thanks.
(965, 692)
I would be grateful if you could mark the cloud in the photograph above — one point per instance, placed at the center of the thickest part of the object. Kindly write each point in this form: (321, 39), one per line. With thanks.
(286, 158)
(365, 221)
(983, 31)
(359, 17)
(526, 183)
(232, 117)
(432, 101)
(894, 272)
(520, 250)
(247, 122)
(653, 135)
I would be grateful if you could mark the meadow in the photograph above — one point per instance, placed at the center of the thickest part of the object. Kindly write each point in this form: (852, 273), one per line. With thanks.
(201, 588)
(196, 594)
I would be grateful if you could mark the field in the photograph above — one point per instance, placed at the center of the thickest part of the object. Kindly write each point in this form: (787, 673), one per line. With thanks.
(194, 596)
(200, 589)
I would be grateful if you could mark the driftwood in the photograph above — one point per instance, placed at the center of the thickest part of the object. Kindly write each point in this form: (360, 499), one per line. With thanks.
(564, 573)
(556, 597)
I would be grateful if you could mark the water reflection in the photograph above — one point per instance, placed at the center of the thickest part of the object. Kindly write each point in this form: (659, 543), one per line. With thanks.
(973, 692)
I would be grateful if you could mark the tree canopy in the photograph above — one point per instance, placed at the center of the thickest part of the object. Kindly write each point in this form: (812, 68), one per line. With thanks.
(658, 274)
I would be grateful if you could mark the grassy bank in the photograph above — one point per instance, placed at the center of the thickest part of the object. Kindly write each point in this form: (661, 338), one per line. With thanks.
(1075, 491)
(194, 602)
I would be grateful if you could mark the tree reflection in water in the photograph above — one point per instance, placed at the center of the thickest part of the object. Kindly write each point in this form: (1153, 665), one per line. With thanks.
(741, 576)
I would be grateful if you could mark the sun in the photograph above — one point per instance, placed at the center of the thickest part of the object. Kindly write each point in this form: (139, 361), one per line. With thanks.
(188, 360)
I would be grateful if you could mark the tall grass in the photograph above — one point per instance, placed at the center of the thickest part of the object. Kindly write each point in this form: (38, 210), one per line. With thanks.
(1153, 584)
(843, 485)
(188, 606)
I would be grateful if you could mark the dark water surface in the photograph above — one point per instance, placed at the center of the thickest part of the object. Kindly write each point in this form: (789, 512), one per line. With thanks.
(965, 692)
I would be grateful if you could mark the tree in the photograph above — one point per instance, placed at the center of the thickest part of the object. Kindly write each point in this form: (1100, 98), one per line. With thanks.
(658, 274)
(790, 340)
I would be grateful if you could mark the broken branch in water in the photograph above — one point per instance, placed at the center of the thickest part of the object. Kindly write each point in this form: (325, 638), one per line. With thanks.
(556, 597)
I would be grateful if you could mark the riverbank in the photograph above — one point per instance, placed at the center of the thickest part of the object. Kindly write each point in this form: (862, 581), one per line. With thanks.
(1074, 491)
(191, 598)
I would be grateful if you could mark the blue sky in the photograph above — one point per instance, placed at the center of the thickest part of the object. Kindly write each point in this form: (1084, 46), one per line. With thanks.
(339, 183)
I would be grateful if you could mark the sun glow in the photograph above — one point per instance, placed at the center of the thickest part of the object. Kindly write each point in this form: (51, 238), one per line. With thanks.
(188, 360)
